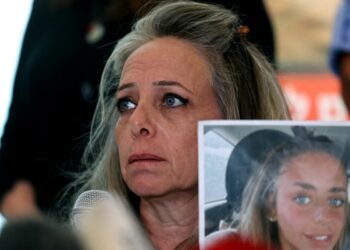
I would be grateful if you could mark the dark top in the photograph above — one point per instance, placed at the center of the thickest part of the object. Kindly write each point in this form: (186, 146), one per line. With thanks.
(54, 97)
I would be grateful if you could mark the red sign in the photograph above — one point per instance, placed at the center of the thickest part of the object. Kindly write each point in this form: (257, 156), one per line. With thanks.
(313, 96)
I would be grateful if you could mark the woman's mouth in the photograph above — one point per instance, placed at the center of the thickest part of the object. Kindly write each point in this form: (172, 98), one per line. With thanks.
(144, 157)
(320, 239)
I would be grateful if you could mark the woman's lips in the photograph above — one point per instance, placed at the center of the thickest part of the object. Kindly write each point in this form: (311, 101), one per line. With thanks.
(320, 238)
(144, 157)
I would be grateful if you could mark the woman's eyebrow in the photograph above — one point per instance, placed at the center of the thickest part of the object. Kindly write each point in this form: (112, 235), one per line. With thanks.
(338, 190)
(305, 185)
(171, 83)
(156, 84)
(125, 86)
(311, 187)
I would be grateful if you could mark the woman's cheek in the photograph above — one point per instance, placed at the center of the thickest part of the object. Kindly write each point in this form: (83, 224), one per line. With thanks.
(338, 214)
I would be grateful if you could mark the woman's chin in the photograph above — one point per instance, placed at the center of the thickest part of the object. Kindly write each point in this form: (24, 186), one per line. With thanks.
(146, 188)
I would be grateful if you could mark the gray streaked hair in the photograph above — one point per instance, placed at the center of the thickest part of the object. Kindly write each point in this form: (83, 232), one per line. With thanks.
(243, 81)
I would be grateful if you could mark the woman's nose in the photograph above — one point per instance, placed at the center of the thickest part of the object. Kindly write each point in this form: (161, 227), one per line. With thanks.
(320, 213)
(142, 121)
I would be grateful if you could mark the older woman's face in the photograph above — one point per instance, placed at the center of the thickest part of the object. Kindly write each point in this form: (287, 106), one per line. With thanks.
(163, 92)
(311, 202)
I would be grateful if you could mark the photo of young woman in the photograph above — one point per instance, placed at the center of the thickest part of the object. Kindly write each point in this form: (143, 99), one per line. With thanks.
(298, 199)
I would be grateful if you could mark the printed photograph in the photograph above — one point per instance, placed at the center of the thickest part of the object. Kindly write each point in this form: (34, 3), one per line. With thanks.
(278, 185)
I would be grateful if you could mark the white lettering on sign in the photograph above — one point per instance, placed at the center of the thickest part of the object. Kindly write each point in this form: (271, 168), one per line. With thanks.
(330, 107)
(299, 103)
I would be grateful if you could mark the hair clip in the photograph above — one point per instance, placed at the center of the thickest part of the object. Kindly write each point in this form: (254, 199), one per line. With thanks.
(243, 30)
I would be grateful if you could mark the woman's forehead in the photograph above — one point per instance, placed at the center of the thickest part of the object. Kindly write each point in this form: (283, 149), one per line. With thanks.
(166, 59)
(313, 166)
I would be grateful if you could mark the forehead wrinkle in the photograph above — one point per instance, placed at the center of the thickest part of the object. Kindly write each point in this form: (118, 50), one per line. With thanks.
(154, 59)
(165, 83)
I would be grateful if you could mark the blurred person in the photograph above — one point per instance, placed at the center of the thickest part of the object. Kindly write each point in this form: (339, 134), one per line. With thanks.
(33, 234)
(339, 53)
(65, 46)
(182, 62)
(298, 199)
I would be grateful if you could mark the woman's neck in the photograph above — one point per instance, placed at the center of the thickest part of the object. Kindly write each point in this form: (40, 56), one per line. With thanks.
(170, 220)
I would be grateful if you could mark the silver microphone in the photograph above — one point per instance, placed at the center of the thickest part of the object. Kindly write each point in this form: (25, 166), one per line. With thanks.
(85, 203)
(105, 222)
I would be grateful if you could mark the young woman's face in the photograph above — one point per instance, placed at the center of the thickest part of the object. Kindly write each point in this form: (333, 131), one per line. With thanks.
(311, 202)
(163, 92)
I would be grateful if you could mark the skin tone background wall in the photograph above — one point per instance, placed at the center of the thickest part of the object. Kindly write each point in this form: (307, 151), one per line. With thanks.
(302, 32)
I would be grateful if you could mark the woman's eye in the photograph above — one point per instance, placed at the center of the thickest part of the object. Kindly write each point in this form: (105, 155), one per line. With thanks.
(173, 100)
(125, 104)
(302, 199)
(336, 202)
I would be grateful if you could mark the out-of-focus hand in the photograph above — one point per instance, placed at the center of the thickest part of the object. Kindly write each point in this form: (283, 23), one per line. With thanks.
(20, 202)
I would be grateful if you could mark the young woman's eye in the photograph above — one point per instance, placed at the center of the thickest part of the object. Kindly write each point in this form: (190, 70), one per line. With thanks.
(125, 104)
(302, 199)
(336, 202)
(173, 100)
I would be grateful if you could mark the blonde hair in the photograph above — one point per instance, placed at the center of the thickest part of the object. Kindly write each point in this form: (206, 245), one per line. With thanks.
(243, 81)
(259, 194)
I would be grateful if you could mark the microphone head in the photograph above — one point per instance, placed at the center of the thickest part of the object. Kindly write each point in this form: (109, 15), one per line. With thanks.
(106, 222)
(86, 202)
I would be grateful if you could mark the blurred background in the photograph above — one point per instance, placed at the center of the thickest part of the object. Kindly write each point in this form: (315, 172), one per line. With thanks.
(13, 21)
(302, 36)
(11, 41)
